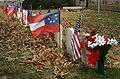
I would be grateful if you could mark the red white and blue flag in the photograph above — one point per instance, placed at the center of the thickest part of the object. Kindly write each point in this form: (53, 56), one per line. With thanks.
(76, 47)
(44, 23)
(76, 42)
(10, 10)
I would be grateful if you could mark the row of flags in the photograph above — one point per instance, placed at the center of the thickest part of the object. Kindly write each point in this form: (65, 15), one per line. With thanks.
(50, 23)
(40, 23)
(43, 23)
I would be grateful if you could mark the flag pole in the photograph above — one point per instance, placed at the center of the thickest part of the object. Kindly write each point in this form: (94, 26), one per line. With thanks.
(60, 26)
(22, 13)
(4, 5)
(31, 43)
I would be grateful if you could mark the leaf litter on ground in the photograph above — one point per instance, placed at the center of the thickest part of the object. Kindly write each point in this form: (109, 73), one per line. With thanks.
(16, 42)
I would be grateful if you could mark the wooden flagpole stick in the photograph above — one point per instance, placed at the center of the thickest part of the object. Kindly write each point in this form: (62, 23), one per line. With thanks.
(60, 33)
(26, 12)
(31, 43)
(4, 5)
(22, 12)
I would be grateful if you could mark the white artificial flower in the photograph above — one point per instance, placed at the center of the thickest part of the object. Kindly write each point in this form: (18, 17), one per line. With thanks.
(94, 44)
(87, 34)
(113, 42)
(99, 37)
(103, 40)
(89, 44)
(100, 44)
(108, 42)
(100, 41)
(116, 42)
(96, 35)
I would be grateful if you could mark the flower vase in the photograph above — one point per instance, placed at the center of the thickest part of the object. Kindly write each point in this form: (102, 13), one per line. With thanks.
(100, 64)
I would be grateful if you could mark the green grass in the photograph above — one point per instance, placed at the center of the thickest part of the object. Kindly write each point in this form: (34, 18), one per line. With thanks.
(106, 23)
(15, 47)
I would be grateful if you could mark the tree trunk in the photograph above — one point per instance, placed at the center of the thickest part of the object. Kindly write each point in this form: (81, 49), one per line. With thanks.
(74, 2)
(87, 3)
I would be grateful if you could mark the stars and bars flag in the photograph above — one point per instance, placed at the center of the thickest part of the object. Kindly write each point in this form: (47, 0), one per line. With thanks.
(44, 23)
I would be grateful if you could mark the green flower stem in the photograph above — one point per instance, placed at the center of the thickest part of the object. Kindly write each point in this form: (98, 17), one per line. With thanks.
(101, 67)
(103, 52)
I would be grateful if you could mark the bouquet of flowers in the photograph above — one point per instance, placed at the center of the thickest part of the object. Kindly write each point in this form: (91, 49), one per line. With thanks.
(98, 47)
(97, 40)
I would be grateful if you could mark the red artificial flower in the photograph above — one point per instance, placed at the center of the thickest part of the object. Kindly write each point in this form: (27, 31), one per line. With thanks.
(93, 31)
(106, 39)
(93, 57)
(82, 44)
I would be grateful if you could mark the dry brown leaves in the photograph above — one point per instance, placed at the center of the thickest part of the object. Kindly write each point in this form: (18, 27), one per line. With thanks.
(16, 39)
(47, 55)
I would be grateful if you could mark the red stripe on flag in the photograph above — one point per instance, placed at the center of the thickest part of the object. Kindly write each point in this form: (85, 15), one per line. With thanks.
(74, 51)
(77, 42)
(76, 46)
(10, 11)
(46, 29)
(35, 19)
(77, 35)
(44, 23)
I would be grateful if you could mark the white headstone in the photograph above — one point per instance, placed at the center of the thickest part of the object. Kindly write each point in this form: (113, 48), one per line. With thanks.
(70, 32)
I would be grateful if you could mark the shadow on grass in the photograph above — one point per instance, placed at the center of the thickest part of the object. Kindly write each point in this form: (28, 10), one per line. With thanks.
(80, 71)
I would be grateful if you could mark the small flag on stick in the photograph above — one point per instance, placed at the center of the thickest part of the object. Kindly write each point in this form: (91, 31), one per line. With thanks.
(75, 42)
(77, 27)
(44, 23)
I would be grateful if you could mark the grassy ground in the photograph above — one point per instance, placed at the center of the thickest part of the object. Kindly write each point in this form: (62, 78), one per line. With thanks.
(20, 54)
